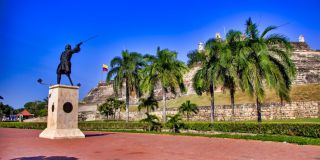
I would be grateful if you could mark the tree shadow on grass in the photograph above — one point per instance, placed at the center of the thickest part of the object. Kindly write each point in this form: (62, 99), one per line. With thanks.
(46, 158)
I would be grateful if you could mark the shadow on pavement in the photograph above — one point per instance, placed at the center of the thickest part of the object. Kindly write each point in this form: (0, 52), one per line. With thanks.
(46, 158)
(97, 134)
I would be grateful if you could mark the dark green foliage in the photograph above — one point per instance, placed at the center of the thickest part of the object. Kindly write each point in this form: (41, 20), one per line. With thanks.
(268, 128)
(106, 109)
(6, 109)
(187, 108)
(269, 64)
(125, 70)
(175, 123)
(151, 123)
(110, 125)
(204, 81)
(38, 108)
(24, 125)
(291, 129)
(165, 70)
(149, 103)
(110, 107)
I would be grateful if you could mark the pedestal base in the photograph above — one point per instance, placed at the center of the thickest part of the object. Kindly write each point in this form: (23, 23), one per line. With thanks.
(61, 133)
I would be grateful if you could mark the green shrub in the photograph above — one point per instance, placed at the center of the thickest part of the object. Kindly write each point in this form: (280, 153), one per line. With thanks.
(290, 129)
(24, 125)
(110, 125)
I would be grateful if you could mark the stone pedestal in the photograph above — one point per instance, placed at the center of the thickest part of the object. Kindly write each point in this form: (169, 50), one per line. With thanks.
(62, 120)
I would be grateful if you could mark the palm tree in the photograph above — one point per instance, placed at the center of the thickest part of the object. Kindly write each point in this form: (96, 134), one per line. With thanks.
(205, 78)
(166, 71)
(152, 122)
(269, 64)
(174, 123)
(188, 107)
(124, 71)
(231, 61)
(149, 103)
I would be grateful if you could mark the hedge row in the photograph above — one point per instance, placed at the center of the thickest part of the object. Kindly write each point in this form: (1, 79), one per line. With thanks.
(291, 129)
(110, 125)
(26, 125)
(82, 125)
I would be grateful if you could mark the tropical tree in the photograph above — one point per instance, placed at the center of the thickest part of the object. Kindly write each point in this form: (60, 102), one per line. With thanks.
(231, 62)
(112, 104)
(149, 103)
(38, 108)
(118, 106)
(124, 71)
(106, 109)
(175, 123)
(205, 78)
(6, 110)
(269, 64)
(164, 70)
(152, 122)
(188, 108)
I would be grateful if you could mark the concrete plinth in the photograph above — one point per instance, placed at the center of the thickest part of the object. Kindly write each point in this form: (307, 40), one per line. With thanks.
(62, 120)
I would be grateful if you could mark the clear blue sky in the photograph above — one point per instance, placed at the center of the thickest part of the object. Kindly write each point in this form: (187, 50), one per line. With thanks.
(34, 33)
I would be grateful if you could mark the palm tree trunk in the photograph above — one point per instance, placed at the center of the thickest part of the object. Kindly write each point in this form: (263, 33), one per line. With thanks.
(212, 101)
(127, 100)
(119, 114)
(187, 116)
(164, 116)
(258, 110)
(232, 92)
(147, 109)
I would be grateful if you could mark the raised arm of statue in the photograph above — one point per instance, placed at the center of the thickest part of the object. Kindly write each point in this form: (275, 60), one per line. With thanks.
(77, 48)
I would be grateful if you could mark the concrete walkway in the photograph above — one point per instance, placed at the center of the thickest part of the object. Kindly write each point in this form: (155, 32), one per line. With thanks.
(25, 145)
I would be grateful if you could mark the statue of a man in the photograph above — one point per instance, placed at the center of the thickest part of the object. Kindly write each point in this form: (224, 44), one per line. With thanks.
(65, 64)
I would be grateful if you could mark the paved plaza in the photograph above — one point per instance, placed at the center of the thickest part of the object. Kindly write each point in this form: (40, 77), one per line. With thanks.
(24, 144)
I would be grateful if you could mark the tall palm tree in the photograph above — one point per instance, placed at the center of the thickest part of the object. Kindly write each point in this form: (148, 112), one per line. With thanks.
(149, 103)
(124, 71)
(165, 70)
(205, 78)
(269, 64)
(231, 61)
(188, 107)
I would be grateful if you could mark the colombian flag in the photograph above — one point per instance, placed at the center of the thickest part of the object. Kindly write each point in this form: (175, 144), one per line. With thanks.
(104, 68)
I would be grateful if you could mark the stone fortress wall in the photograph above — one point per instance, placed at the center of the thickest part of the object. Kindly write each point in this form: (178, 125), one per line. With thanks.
(306, 60)
(224, 112)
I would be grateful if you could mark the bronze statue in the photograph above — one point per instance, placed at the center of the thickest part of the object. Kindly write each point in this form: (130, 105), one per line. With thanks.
(65, 64)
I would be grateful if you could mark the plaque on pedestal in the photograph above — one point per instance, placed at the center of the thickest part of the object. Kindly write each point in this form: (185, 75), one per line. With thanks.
(62, 120)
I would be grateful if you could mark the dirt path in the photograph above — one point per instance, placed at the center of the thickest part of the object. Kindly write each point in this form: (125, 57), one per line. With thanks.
(25, 144)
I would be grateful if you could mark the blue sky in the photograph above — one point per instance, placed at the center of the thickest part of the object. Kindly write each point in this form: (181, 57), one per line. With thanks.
(34, 33)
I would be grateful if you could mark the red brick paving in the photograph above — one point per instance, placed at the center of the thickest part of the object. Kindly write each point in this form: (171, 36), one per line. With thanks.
(25, 144)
